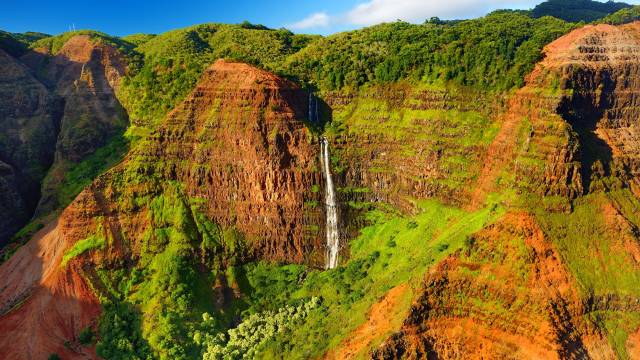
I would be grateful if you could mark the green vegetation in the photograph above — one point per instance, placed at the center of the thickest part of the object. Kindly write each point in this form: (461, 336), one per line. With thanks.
(80, 175)
(244, 340)
(392, 251)
(623, 16)
(10, 44)
(594, 253)
(93, 242)
(30, 37)
(20, 238)
(153, 309)
(120, 337)
(175, 60)
(577, 10)
(86, 336)
(55, 43)
(493, 52)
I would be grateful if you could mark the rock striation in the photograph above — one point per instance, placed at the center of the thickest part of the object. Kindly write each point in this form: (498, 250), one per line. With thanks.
(29, 122)
(236, 149)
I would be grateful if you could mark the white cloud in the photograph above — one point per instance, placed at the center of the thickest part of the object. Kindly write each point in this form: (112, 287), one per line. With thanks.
(377, 11)
(317, 20)
(372, 12)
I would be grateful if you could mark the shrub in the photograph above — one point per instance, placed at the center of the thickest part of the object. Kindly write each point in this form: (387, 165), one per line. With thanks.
(86, 336)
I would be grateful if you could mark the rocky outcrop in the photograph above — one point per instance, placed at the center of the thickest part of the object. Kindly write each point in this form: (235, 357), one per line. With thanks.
(507, 296)
(29, 122)
(399, 144)
(54, 112)
(585, 139)
(239, 143)
(85, 73)
(518, 290)
(236, 150)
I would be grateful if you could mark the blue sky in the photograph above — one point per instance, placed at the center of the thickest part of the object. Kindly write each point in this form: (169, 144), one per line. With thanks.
(121, 17)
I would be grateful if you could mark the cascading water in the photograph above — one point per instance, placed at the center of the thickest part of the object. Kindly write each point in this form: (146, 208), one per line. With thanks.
(333, 235)
(313, 108)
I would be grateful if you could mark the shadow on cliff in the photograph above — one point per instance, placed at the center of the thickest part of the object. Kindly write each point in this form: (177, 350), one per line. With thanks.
(318, 113)
(89, 117)
(584, 111)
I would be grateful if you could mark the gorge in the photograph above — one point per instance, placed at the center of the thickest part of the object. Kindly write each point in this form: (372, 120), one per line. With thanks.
(443, 190)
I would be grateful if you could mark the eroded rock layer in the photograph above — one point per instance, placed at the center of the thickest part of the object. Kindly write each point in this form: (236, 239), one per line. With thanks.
(507, 296)
(235, 150)
(587, 139)
(534, 284)
(238, 142)
(85, 73)
(29, 121)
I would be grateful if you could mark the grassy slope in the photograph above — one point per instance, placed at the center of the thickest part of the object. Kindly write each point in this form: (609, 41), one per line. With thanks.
(595, 253)
(392, 251)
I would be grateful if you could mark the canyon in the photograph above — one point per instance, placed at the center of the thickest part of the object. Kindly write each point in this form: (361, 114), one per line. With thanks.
(423, 220)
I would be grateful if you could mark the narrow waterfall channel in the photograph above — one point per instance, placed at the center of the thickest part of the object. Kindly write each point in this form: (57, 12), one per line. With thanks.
(333, 235)
(313, 108)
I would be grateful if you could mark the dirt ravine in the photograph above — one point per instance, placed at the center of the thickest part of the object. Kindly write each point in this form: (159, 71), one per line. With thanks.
(379, 324)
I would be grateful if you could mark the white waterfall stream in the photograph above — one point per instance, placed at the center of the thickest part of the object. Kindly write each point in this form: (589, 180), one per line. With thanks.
(333, 235)
(313, 108)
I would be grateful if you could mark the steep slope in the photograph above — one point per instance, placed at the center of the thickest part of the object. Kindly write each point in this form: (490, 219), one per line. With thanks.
(29, 122)
(86, 74)
(225, 178)
(239, 144)
(507, 295)
(565, 259)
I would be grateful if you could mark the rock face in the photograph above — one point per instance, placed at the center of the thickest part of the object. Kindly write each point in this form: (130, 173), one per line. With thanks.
(400, 144)
(403, 143)
(85, 74)
(55, 112)
(588, 131)
(29, 122)
(530, 303)
(239, 143)
(238, 149)
(519, 291)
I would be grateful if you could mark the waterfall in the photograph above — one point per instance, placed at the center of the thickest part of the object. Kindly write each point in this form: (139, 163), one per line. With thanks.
(333, 235)
(310, 107)
(313, 108)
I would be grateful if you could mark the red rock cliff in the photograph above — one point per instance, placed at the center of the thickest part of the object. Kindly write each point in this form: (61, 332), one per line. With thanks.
(237, 143)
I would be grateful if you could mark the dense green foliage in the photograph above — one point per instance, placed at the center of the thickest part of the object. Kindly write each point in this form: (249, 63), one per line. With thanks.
(175, 60)
(244, 340)
(493, 52)
(153, 309)
(577, 10)
(93, 242)
(120, 336)
(623, 16)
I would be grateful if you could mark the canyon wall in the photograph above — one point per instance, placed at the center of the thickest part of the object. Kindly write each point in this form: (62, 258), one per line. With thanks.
(567, 145)
(29, 121)
(236, 150)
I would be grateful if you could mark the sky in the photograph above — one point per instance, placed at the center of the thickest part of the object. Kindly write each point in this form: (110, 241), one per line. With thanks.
(123, 17)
